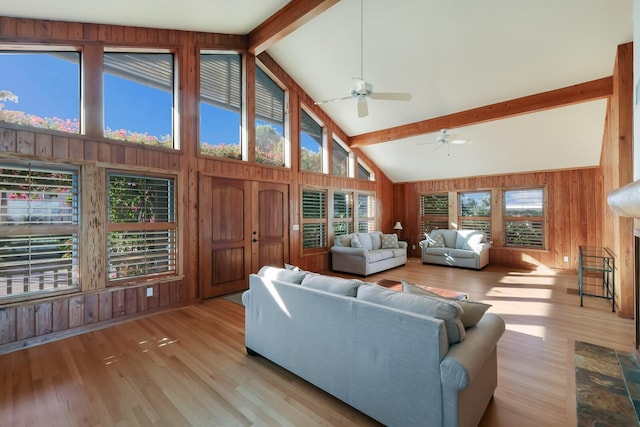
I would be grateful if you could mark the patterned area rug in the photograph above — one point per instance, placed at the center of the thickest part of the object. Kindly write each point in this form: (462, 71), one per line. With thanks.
(607, 386)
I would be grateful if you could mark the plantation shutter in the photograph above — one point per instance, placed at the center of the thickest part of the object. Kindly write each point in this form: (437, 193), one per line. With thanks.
(434, 212)
(314, 219)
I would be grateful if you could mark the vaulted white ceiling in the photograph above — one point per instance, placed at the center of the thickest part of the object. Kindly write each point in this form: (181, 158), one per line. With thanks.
(451, 55)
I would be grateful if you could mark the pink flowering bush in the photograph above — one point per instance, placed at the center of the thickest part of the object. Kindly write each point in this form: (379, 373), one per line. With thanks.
(73, 126)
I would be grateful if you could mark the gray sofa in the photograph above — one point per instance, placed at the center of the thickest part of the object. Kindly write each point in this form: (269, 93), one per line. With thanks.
(456, 248)
(367, 253)
(403, 359)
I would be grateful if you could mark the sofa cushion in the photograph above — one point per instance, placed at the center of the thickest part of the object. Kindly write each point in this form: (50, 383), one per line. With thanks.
(469, 239)
(472, 310)
(382, 254)
(449, 311)
(444, 251)
(283, 274)
(355, 241)
(335, 285)
(461, 253)
(365, 240)
(376, 239)
(399, 252)
(389, 241)
(449, 236)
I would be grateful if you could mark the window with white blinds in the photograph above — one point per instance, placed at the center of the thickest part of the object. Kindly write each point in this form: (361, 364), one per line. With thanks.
(311, 143)
(270, 121)
(342, 213)
(475, 211)
(341, 160)
(434, 212)
(523, 217)
(364, 172)
(137, 86)
(39, 230)
(221, 104)
(366, 213)
(314, 219)
(142, 239)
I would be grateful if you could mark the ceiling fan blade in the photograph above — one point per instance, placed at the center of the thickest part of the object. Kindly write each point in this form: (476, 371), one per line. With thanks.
(326, 101)
(363, 108)
(391, 96)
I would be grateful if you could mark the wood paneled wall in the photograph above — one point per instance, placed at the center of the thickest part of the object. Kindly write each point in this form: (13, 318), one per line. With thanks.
(29, 322)
(573, 212)
(617, 167)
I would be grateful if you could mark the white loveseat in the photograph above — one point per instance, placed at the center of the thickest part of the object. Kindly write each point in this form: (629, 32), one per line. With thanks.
(403, 359)
(457, 248)
(367, 253)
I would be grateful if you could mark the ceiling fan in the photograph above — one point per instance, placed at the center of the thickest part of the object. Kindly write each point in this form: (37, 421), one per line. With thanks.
(361, 89)
(445, 138)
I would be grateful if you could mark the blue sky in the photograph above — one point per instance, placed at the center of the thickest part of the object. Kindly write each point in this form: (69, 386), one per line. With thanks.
(48, 86)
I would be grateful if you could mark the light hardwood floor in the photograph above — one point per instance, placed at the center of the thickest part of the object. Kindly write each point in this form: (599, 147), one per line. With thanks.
(188, 366)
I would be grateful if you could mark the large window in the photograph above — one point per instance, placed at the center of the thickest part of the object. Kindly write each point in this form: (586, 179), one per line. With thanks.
(40, 89)
(524, 218)
(366, 213)
(314, 219)
(270, 121)
(434, 212)
(139, 97)
(341, 159)
(142, 226)
(221, 104)
(311, 143)
(342, 213)
(475, 211)
(39, 230)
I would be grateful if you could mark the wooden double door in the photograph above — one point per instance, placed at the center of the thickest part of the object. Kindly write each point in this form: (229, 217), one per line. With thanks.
(243, 225)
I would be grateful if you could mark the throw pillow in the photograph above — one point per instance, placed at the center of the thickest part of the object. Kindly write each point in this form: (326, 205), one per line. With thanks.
(291, 267)
(282, 274)
(436, 240)
(472, 241)
(472, 310)
(344, 241)
(390, 241)
(355, 242)
(448, 311)
(335, 285)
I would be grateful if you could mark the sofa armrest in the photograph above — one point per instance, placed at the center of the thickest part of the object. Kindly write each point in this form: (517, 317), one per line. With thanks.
(402, 244)
(464, 360)
(481, 247)
(349, 251)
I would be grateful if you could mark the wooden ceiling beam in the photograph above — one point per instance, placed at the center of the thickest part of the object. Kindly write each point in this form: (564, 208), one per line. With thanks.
(583, 92)
(288, 19)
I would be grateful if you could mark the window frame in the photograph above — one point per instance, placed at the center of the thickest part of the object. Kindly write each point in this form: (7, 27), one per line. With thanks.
(171, 227)
(475, 222)
(438, 219)
(541, 219)
(242, 143)
(370, 218)
(321, 219)
(348, 220)
(362, 166)
(322, 144)
(41, 230)
(286, 127)
(51, 50)
(174, 142)
(337, 142)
